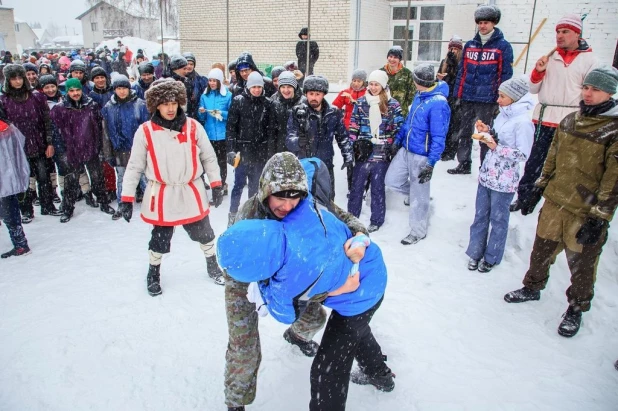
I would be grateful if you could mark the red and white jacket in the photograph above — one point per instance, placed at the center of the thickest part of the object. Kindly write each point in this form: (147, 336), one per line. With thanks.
(173, 163)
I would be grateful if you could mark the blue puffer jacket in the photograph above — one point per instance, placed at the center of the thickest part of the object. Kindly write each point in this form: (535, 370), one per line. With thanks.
(215, 100)
(101, 98)
(424, 131)
(310, 134)
(140, 89)
(123, 119)
(302, 250)
(483, 68)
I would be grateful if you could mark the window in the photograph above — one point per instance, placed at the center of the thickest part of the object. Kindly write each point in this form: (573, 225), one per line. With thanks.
(93, 26)
(426, 24)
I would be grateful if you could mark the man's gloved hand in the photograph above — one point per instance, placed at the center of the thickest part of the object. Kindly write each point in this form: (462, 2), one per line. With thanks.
(590, 232)
(425, 174)
(126, 209)
(217, 196)
(394, 149)
(347, 164)
(231, 158)
(529, 203)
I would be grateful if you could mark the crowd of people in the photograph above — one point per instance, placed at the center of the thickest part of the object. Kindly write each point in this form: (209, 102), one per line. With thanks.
(108, 128)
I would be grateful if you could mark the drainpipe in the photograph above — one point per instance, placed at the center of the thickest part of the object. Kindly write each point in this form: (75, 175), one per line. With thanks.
(357, 34)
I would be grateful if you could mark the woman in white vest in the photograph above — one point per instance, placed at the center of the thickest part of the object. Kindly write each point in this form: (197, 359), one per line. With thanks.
(173, 152)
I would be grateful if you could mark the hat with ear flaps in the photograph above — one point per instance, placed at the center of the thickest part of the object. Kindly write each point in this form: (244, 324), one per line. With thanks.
(165, 90)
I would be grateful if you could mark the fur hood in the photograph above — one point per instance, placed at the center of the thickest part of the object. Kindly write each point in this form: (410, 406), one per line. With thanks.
(165, 90)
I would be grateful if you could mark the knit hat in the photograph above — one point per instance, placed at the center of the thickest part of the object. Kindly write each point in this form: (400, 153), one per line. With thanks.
(98, 71)
(77, 65)
(359, 74)
(287, 79)
(145, 67)
(242, 66)
(396, 51)
(120, 80)
(276, 72)
(570, 21)
(604, 78)
(487, 13)
(190, 57)
(379, 76)
(455, 42)
(72, 83)
(47, 79)
(177, 62)
(255, 80)
(31, 67)
(515, 88)
(165, 90)
(424, 75)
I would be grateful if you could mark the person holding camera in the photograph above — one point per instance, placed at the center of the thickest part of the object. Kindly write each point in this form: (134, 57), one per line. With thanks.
(375, 122)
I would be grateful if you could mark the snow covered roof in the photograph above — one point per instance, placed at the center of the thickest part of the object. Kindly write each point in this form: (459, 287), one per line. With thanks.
(77, 40)
(131, 7)
(39, 33)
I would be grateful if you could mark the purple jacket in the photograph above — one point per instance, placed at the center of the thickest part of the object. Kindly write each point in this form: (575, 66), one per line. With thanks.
(31, 117)
(80, 128)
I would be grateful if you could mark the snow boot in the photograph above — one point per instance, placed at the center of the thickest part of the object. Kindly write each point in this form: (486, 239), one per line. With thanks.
(571, 320)
(57, 199)
(231, 217)
(107, 209)
(309, 348)
(373, 228)
(473, 264)
(411, 239)
(16, 252)
(485, 267)
(384, 382)
(52, 211)
(516, 206)
(462, 168)
(27, 217)
(214, 271)
(117, 215)
(522, 295)
(90, 200)
(153, 280)
(66, 216)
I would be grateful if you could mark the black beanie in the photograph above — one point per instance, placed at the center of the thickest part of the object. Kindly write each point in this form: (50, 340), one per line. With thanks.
(120, 80)
(396, 51)
(98, 71)
(31, 67)
(47, 79)
(145, 67)
(177, 62)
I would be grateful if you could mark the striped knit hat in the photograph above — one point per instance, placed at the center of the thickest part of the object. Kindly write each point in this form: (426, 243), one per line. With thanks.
(287, 78)
(570, 21)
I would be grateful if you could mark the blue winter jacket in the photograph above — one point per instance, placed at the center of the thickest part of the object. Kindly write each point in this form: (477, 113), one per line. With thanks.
(215, 100)
(483, 68)
(140, 89)
(300, 255)
(424, 131)
(123, 119)
(101, 98)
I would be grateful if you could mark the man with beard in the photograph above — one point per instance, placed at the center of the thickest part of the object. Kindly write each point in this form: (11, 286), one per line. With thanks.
(314, 124)
(79, 122)
(198, 84)
(146, 77)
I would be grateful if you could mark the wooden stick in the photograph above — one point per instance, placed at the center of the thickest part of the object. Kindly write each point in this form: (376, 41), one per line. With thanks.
(539, 27)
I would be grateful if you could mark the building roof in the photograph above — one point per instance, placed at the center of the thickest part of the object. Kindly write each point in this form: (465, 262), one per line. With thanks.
(39, 33)
(132, 8)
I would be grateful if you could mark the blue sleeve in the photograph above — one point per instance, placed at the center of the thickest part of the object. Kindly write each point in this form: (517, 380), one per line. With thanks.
(403, 130)
(507, 62)
(202, 116)
(440, 116)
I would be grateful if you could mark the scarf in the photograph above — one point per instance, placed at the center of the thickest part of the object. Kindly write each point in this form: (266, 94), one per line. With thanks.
(176, 124)
(590, 111)
(375, 117)
(388, 69)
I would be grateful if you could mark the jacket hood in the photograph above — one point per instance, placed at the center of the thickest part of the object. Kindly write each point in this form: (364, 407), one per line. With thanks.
(132, 97)
(245, 58)
(282, 172)
(440, 89)
(252, 250)
(613, 112)
(524, 104)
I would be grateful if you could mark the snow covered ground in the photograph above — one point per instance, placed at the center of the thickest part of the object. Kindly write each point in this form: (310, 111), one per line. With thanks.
(78, 330)
(151, 48)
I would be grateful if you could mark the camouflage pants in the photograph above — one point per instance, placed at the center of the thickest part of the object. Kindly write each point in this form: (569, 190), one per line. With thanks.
(244, 354)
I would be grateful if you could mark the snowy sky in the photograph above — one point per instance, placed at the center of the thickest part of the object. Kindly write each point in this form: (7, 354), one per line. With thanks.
(62, 12)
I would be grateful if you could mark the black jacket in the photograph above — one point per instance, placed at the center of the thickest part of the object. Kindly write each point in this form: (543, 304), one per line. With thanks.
(281, 109)
(248, 127)
(301, 54)
(192, 105)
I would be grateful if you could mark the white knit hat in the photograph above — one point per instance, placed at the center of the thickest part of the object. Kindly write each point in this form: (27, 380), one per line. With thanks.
(217, 74)
(379, 76)
(570, 21)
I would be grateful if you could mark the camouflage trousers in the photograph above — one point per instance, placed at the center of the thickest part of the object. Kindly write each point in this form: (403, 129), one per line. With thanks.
(244, 354)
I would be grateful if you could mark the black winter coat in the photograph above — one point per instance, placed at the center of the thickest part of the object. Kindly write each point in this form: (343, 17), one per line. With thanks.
(248, 127)
(281, 109)
(310, 134)
(450, 66)
(301, 54)
(192, 105)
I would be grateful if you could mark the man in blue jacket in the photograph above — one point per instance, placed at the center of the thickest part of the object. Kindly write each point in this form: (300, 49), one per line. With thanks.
(418, 147)
(122, 116)
(487, 62)
(146, 77)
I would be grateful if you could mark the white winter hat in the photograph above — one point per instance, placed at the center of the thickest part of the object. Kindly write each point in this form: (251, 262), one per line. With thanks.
(255, 80)
(217, 74)
(379, 76)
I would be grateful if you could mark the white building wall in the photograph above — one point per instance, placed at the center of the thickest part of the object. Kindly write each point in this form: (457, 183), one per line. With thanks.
(25, 36)
(7, 29)
(375, 24)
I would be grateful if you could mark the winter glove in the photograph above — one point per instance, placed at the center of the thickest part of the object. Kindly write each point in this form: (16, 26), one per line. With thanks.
(590, 232)
(425, 175)
(347, 164)
(233, 159)
(217, 196)
(126, 209)
(529, 204)
(394, 149)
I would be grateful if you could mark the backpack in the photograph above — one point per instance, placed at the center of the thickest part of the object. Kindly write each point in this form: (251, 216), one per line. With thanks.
(318, 181)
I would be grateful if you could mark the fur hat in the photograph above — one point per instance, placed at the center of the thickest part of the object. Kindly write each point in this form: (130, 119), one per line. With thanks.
(379, 76)
(11, 71)
(315, 83)
(287, 78)
(572, 22)
(165, 90)
(487, 13)
(217, 74)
